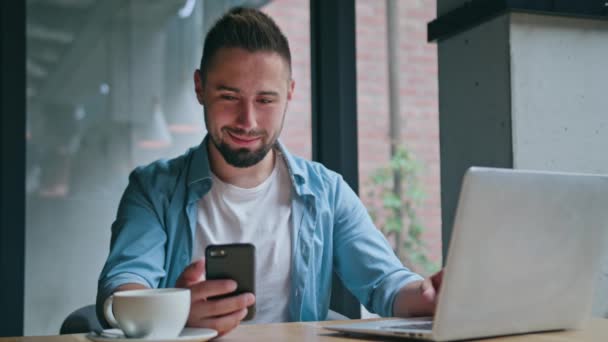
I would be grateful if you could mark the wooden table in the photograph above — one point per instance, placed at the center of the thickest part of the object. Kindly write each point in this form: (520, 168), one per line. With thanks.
(596, 330)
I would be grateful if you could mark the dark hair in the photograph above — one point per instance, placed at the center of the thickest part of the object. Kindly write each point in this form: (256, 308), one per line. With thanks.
(245, 28)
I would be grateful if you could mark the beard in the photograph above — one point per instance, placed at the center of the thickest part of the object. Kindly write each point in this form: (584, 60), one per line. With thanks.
(243, 157)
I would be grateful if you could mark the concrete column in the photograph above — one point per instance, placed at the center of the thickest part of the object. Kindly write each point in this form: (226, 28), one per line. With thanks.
(527, 91)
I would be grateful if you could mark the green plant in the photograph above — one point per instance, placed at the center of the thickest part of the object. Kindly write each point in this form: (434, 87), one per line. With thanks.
(394, 195)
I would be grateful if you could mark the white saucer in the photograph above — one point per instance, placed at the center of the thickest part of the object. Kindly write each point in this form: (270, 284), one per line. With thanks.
(187, 335)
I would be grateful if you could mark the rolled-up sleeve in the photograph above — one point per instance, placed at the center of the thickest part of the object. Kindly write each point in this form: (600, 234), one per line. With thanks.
(363, 258)
(137, 247)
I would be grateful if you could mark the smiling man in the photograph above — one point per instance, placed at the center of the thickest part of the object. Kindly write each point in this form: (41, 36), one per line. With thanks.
(242, 185)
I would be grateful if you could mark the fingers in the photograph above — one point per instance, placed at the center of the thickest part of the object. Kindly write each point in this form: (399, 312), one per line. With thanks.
(194, 273)
(428, 291)
(437, 279)
(220, 307)
(223, 324)
(211, 288)
(430, 287)
(222, 315)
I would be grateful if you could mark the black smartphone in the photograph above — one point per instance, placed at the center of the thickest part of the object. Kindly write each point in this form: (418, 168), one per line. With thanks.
(234, 261)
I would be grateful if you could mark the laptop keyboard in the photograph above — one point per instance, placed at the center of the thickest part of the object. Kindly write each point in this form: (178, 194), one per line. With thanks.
(411, 326)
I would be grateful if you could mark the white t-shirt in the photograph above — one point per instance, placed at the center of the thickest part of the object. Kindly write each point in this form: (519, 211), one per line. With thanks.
(260, 216)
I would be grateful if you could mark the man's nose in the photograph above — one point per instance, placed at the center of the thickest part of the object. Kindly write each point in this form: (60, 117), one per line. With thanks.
(246, 118)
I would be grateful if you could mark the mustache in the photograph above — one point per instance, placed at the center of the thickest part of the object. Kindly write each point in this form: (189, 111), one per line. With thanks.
(241, 132)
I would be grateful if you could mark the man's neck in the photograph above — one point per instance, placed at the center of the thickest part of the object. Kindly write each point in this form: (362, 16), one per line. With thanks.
(248, 177)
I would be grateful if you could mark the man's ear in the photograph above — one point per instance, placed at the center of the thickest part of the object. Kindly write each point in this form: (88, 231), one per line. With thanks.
(292, 85)
(198, 86)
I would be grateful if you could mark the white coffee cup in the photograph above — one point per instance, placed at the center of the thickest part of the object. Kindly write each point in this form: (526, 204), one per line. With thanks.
(150, 313)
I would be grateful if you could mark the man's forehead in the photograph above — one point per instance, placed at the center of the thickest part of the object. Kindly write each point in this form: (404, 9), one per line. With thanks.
(237, 60)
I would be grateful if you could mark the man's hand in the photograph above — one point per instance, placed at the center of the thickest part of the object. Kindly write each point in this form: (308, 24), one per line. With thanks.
(223, 314)
(430, 288)
(418, 298)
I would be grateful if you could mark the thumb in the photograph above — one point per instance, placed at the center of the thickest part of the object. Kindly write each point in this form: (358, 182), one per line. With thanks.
(428, 291)
(194, 273)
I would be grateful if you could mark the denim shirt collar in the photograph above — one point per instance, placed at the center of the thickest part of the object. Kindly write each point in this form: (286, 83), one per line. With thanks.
(198, 178)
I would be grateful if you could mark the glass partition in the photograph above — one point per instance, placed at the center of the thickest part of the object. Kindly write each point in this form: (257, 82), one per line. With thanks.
(109, 88)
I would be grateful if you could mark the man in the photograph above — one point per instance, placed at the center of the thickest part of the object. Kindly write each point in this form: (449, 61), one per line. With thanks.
(242, 185)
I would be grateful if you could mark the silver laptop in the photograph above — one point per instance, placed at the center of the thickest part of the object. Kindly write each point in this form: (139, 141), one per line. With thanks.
(522, 258)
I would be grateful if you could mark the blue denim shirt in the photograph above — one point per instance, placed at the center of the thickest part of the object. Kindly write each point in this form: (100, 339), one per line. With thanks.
(154, 229)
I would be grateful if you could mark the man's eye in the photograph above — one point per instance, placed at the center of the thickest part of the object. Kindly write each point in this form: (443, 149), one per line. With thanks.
(265, 101)
(228, 97)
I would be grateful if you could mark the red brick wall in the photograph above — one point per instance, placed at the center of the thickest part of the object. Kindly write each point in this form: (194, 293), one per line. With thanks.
(418, 89)
(293, 17)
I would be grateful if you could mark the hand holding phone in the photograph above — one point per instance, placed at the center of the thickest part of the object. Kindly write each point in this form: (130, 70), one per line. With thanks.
(222, 314)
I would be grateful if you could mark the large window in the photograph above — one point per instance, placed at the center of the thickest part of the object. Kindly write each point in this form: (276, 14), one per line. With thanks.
(397, 105)
(109, 88)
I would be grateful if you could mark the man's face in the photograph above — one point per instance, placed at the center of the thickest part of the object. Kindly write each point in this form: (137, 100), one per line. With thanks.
(245, 95)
